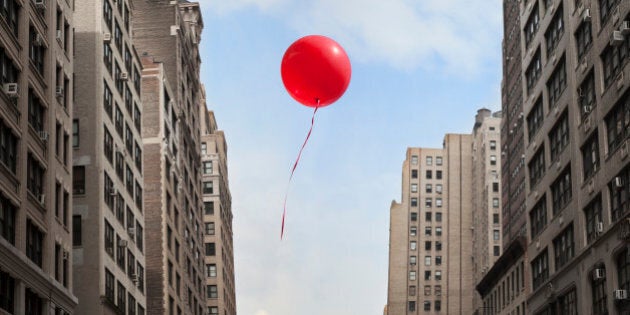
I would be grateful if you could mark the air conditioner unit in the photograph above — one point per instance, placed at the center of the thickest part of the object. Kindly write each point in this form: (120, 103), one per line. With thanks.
(40, 4)
(42, 199)
(134, 278)
(107, 37)
(621, 294)
(38, 40)
(11, 89)
(618, 182)
(587, 109)
(625, 27)
(122, 243)
(43, 135)
(59, 35)
(131, 230)
(586, 15)
(599, 228)
(599, 273)
(66, 255)
(59, 91)
(123, 76)
(616, 38)
(113, 192)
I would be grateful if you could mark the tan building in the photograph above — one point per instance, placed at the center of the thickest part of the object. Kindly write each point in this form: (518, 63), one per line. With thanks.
(217, 202)
(109, 258)
(36, 59)
(576, 99)
(486, 197)
(167, 34)
(430, 232)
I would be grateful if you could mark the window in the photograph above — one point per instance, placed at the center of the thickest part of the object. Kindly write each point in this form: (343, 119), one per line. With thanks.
(8, 147)
(429, 160)
(438, 188)
(618, 123)
(586, 95)
(414, 174)
(34, 243)
(212, 310)
(37, 50)
(427, 245)
(412, 290)
(414, 188)
(76, 231)
(414, 202)
(427, 260)
(561, 191)
(531, 27)
(537, 167)
(438, 160)
(427, 290)
(495, 218)
(623, 270)
(437, 305)
(606, 8)
(35, 176)
(414, 160)
(128, 139)
(78, 180)
(495, 187)
(138, 196)
(413, 245)
(207, 167)
(8, 213)
(554, 32)
(535, 119)
(412, 275)
(438, 260)
(496, 235)
(109, 239)
(117, 36)
(413, 231)
(438, 275)
(563, 247)
(538, 217)
(496, 250)
(210, 249)
(7, 291)
(9, 11)
(207, 188)
(140, 237)
(140, 270)
(208, 207)
(131, 264)
(598, 289)
(619, 194)
(438, 217)
(107, 99)
(593, 216)
(495, 202)
(493, 145)
(533, 72)
(209, 228)
(427, 305)
(557, 83)
(493, 160)
(108, 57)
(427, 216)
(438, 231)
(583, 38)
(559, 136)
(438, 202)
(131, 301)
(567, 303)
(438, 174)
(428, 202)
(428, 188)
(120, 253)
(590, 156)
(36, 112)
(427, 231)
(613, 59)
(122, 295)
(429, 174)
(540, 269)
(108, 145)
(107, 16)
(427, 275)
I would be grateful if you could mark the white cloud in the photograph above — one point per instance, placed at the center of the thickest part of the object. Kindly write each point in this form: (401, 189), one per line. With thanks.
(262, 312)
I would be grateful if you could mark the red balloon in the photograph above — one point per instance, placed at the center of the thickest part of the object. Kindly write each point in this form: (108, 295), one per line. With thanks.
(315, 71)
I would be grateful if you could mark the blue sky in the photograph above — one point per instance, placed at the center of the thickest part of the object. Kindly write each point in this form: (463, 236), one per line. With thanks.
(420, 69)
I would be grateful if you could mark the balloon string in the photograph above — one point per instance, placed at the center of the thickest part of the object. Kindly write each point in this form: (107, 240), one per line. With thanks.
(286, 193)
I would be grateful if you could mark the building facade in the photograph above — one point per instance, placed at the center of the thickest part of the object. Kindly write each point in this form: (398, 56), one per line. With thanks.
(36, 103)
(576, 79)
(486, 197)
(108, 216)
(167, 35)
(430, 269)
(217, 200)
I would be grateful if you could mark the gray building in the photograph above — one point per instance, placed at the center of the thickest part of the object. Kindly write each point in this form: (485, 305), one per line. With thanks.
(109, 257)
(36, 103)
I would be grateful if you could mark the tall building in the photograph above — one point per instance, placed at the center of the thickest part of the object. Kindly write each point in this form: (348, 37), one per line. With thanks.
(217, 200)
(433, 235)
(108, 183)
(511, 268)
(486, 198)
(576, 102)
(167, 35)
(36, 62)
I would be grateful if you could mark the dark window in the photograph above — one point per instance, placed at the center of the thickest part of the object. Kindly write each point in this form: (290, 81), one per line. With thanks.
(496, 251)
(139, 236)
(583, 38)
(554, 31)
(429, 174)
(618, 123)
(107, 99)
(438, 174)
(593, 217)
(210, 249)
(109, 284)
(598, 288)
(140, 270)
(586, 95)
(414, 202)
(122, 296)
(137, 117)
(207, 167)
(606, 8)
(77, 232)
(590, 156)
(9, 73)
(36, 112)
(131, 264)
(138, 196)
(559, 136)
(537, 167)
(613, 59)
(414, 216)
(129, 180)
(128, 139)
(213, 293)
(34, 243)
(35, 175)
(540, 269)
(209, 207)
(495, 187)
(531, 27)
(120, 253)
(412, 306)
(8, 147)
(8, 213)
(107, 57)
(118, 35)
(109, 239)
(107, 16)
(567, 303)
(557, 82)
(131, 301)
(535, 119)
(9, 11)
(119, 83)
(538, 217)
(427, 305)
(78, 180)
(109, 191)
(119, 121)
(7, 292)
(619, 194)
(561, 191)
(533, 72)
(623, 270)
(414, 173)
(564, 247)
(37, 50)
(108, 145)
(207, 188)
(33, 304)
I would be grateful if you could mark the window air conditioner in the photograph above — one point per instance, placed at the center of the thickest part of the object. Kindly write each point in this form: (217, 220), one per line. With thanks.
(122, 243)
(107, 37)
(59, 91)
(616, 38)
(625, 27)
(43, 135)
(618, 182)
(621, 294)
(59, 35)
(600, 227)
(123, 76)
(40, 4)
(11, 89)
(586, 15)
(599, 274)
